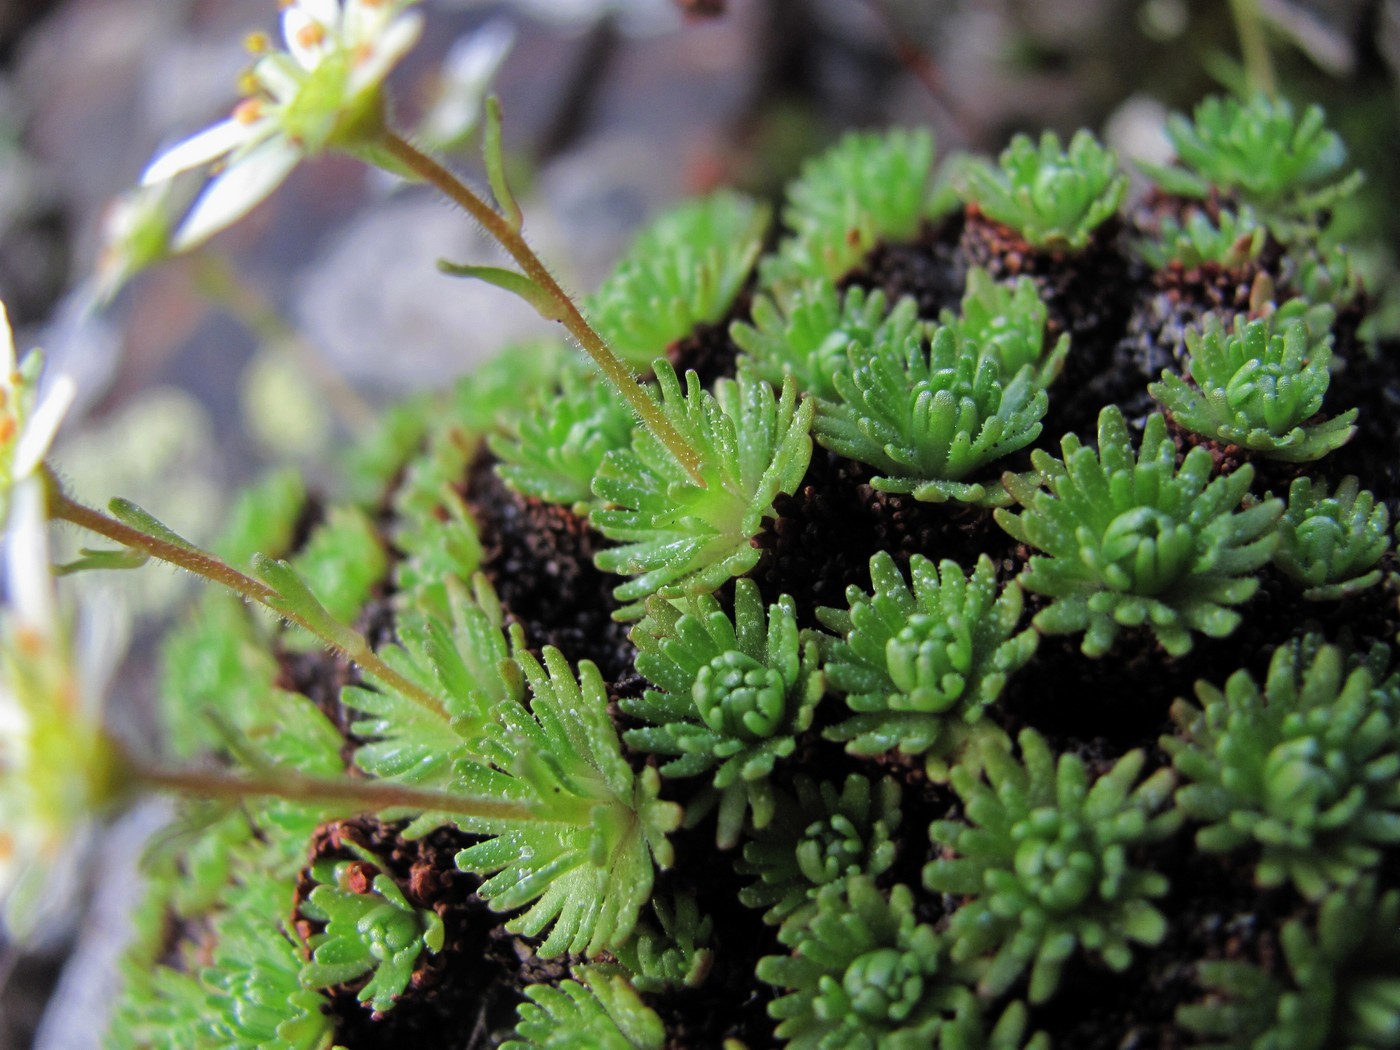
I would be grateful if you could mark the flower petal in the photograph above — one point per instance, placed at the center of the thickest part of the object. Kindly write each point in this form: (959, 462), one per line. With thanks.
(280, 76)
(308, 39)
(41, 426)
(241, 187)
(327, 12)
(9, 360)
(398, 40)
(197, 150)
(28, 574)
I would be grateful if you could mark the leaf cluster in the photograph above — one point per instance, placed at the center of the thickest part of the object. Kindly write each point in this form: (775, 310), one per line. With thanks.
(1330, 543)
(917, 666)
(819, 834)
(1306, 770)
(1130, 540)
(804, 331)
(683, 270)
(374, 930)
(869, 187)
(1260, 149)
(1233, 240)
(1341, 985)
(862, 969)
(674, 536)
(1008, 320)
(734, 695)
(1054, 198)
(553, 448)
(1045, 862)
(582, 864)
(1257, 387)
(599, 1010)
(926, 415)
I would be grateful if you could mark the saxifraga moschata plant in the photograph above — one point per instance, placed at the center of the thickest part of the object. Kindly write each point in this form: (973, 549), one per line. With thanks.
(879, 670)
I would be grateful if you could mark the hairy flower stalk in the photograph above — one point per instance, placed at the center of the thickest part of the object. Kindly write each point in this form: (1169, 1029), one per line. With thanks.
(60, 769)
(302, 609)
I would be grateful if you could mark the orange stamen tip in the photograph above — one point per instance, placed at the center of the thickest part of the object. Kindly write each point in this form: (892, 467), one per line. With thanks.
(8, 426)
(363, 53)
(248, 111)
(311, 35)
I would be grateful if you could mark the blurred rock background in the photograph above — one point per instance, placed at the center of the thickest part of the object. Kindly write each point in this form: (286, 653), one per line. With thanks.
(192, 384)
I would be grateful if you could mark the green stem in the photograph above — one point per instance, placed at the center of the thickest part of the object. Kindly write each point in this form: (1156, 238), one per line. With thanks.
(365, 796)
(501, 230)
(345, 640)
(221, 285)
(1258, 64)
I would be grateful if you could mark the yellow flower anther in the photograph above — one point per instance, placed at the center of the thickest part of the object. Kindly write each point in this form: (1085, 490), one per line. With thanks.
(311, 35)
(257, 43)
(7, 428)
(248, 111)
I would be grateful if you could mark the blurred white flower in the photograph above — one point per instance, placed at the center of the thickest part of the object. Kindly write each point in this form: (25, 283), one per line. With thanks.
(58, 768)
(322, 92)
(467, 71)
(137, 227)
(634, 17)
(28, 422)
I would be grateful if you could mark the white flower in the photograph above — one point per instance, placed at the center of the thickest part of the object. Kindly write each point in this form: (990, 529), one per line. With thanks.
(467, 72)
(28, 422)
(322, 92)
(136, 230)
(58, 768)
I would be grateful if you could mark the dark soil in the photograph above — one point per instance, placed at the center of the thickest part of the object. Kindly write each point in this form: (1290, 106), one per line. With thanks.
(825, 534)
(461, 998)
(539, 558)
(927, 269)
